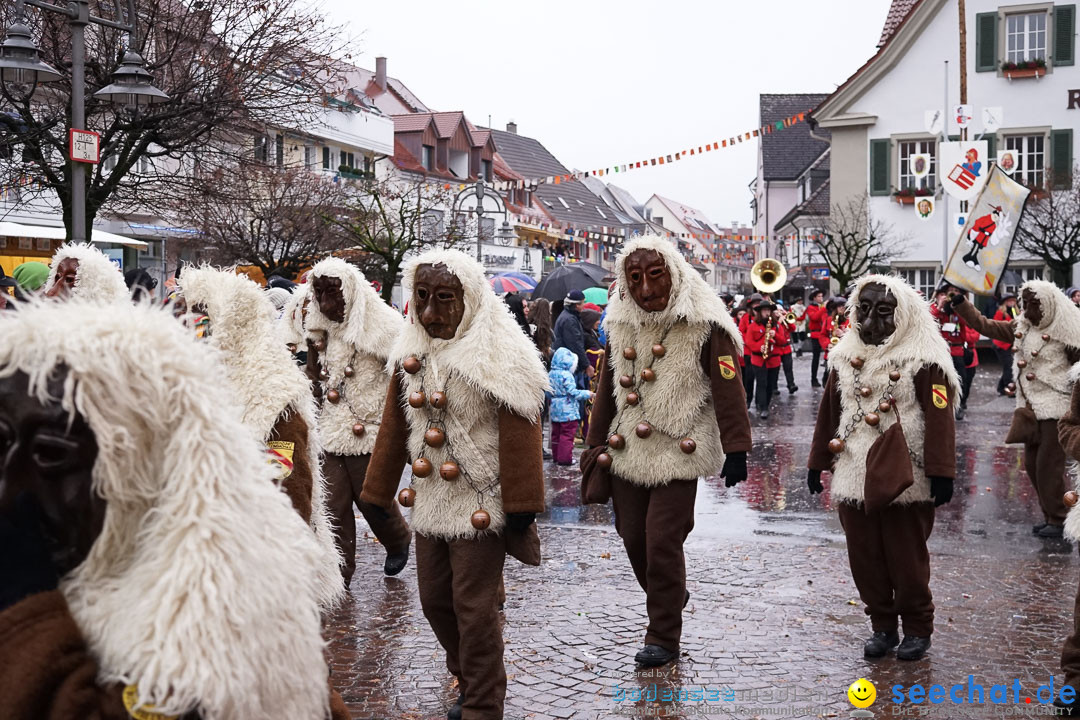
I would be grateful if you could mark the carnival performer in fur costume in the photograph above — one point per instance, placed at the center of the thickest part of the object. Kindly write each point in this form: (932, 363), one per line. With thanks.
(887, 409)
(1046, 344)
(1069, 436)
(82, 271)
(150, 562)
(274, 396)
(350, 332)
(670, 404)
(292, 322)
(464, 407)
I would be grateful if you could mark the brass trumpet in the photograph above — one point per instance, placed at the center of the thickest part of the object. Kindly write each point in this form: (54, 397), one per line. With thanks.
(790, 318)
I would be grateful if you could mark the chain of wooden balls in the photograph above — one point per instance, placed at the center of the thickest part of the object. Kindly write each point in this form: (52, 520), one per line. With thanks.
(336, 395)
(616, 441)
(872, 418)
(435, 437)
(1022, 362)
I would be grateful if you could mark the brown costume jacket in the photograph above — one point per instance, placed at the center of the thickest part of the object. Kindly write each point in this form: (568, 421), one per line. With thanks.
(1000, 330)
(728, 397)
(939, 446)
(1069, 426)
(291, 427)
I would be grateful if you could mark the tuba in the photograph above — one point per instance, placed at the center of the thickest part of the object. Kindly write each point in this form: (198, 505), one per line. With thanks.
(768, 275)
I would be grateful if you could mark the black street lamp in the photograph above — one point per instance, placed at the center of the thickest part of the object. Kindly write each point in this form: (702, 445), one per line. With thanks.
(20, 66)
(504, 235)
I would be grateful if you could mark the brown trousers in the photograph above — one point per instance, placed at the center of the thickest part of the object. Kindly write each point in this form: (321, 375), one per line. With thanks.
(1044, 461)
(459, 581)
(1070, 653)
(891, 565)
(344, 480)
(653, 524)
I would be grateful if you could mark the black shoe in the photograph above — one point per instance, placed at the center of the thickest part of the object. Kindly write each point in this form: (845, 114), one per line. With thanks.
(793, 389)
(763, 414)
(654, 656)
(547, 455)
(960, 411)
(1066, 709)
(396, 562)
(1035, 529)
(880, 643)
(913, 648)
(686, 599)
(814, 383)
(454, 713)
(1051, 532)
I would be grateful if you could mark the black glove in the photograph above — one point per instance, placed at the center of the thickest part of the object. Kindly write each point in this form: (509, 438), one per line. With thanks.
(520, 521)
(941, 490)
(813, 481)
(957, 300)
(969, 356)
(26, 565)
(734, 471)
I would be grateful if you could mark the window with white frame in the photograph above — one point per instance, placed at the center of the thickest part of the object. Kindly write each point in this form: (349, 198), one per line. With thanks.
(906, 178)
(1025, 37)
(1030, 153)
(922, 279)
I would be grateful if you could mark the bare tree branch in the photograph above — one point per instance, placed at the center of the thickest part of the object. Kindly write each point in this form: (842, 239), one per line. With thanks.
(1050, 230)
(853, 242)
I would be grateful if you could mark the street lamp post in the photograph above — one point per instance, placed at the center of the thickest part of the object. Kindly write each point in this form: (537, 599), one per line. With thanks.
(20, 66)
(504, 233)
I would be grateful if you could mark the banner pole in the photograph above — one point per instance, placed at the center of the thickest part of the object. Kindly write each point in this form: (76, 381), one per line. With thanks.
(944, 195)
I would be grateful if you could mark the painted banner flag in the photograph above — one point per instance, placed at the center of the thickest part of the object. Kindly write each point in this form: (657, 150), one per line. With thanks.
(982, 251)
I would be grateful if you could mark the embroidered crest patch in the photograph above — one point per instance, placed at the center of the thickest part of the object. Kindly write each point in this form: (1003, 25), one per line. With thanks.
(281, 454)
(940, 394)
(727, 367)
(146, 712)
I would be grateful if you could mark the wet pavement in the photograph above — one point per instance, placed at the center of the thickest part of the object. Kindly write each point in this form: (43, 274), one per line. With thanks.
(774, 627)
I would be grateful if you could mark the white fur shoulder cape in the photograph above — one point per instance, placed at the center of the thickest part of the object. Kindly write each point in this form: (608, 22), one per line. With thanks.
(98, 279)
(201, 588)
(692, 300)
(489, 351)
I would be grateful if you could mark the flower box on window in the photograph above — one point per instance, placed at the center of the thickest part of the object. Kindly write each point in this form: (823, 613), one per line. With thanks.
(1026, 69)
(906, 196)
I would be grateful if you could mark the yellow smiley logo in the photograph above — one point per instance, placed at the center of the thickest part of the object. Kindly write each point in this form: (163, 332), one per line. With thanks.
(862, 693)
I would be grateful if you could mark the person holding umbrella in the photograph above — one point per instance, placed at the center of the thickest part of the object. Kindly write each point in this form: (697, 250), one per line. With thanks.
(570, 334)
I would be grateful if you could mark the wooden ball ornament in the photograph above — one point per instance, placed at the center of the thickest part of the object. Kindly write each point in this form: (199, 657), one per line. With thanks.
(632, 398)
(629, 353)
(333, 396)
(434, 437)
(417, 399)
(324, 375)
(603, 460)
(658, 350)
(895, 376)
(481, 520)
(1034, 353)
(406, 497)
(857, 363)
(865, 391)
(1071, 498)
(449, 471)
(626, 381)
(643, 430)
(421, 467)
(358, 429)
(438, 400)
(1018, 335)
(349, 371)
(836, 446)
(411, 364)
(1021, 363)
(884, 406)
(648, 374)
(688, 446)
(319, 345)
(616, 442)
(291, 346)
(1045, 337)
(872, 419)
(1030, 376)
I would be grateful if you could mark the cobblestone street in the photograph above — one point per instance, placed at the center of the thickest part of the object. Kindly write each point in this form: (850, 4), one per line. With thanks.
(774, 621)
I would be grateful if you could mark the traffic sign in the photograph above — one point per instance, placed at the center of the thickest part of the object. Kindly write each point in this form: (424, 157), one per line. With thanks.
(85, 146)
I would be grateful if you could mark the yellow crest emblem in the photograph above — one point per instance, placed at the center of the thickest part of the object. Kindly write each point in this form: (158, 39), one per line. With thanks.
(727, 367)
(146, 712)
(940, 395)
(281, 454)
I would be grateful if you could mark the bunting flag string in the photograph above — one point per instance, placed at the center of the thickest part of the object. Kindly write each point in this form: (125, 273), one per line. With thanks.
(715, 145)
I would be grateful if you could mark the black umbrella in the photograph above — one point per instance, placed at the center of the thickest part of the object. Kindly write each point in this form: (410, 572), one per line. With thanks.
(578, 276)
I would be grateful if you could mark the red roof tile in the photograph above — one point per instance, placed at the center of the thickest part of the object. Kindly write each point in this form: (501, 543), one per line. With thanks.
(416, 122)
(898, 10)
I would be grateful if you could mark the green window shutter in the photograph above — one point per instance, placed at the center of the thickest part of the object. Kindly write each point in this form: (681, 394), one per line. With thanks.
(1064, 34)
(1061, 158)
(991, 147)
(880, 151)
(986, 35)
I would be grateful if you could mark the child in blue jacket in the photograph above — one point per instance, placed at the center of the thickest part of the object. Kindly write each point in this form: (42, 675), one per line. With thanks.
(566, 400)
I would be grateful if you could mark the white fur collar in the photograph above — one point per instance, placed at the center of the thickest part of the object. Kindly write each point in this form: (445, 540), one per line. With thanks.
(370, 324)
(489, 350)
(692, 300)
(186, 567)
(261, 370)
(292, 317)
(916, 342)
(1061, 319)
(98, 279)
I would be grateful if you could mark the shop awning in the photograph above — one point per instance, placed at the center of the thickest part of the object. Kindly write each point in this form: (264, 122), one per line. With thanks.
(10, 229)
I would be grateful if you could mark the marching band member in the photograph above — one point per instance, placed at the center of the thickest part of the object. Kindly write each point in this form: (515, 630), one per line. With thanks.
(817, 317)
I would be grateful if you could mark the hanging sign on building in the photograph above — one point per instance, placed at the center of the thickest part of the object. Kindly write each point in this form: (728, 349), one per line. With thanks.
(992, 118)
(924, 207)
(963, 168)
(85, 146)
(919, 165)
(962, 115)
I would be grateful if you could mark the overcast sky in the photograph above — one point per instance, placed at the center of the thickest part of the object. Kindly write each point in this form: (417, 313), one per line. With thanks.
(601, 82)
